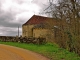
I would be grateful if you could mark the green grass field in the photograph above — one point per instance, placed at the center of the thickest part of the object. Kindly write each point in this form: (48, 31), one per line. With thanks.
(49, 50)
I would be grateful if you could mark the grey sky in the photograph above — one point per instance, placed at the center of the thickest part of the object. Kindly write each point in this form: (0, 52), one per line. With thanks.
(14, 13)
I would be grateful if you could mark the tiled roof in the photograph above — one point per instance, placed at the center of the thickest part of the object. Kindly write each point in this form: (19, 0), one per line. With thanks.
(35, 19)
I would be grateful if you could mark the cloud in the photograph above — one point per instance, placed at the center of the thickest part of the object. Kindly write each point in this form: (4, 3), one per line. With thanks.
(8, 31)
(43, 4)
(14, 13)
(25, 9)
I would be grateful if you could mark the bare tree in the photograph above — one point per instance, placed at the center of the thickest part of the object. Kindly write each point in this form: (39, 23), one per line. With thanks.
(67, 15)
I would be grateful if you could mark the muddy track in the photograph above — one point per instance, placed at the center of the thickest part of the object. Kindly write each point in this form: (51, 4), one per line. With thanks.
(14, 53)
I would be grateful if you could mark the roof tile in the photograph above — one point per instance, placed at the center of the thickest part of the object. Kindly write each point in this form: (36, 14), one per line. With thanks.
(35, 19)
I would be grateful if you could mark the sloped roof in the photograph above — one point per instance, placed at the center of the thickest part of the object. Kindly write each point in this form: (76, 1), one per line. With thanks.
(35, 19)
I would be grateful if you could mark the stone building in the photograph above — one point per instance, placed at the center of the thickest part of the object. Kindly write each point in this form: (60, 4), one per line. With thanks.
(37, 26)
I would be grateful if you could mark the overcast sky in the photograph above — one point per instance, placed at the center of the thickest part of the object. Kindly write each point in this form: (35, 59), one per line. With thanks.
(14, 13)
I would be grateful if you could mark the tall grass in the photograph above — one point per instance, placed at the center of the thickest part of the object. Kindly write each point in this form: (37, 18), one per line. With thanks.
(49, 50)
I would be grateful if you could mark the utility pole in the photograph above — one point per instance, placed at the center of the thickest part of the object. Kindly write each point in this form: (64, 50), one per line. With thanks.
(0, 5)
(18, 31)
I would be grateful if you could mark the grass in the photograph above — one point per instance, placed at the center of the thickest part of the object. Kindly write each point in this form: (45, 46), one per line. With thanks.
(49, 50)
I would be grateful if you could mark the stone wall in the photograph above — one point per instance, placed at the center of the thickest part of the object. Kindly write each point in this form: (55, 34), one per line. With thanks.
(40, 32)
(27, 30)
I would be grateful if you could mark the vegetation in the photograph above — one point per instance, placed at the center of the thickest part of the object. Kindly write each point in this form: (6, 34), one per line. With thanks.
(67, 30)
(49, 50)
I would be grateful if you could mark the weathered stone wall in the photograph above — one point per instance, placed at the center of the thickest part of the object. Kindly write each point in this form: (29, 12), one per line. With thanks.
(22, 39)
(40, 32)
(27, 30)
(44, 33)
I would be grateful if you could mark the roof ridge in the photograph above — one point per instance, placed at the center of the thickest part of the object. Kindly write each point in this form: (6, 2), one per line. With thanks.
(42, 16)
(37, 19)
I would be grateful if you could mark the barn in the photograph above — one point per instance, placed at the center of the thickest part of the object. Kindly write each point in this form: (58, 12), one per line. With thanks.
(38, 26)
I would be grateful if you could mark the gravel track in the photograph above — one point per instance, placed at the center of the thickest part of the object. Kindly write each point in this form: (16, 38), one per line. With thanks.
(14, 53)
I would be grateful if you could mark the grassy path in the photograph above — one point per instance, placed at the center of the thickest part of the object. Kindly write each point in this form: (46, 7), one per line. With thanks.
(49, 50)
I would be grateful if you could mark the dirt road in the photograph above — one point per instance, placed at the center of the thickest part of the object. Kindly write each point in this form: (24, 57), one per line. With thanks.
(14, 53)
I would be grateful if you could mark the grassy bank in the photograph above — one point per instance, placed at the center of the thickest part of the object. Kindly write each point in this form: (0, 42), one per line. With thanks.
(49, 50)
